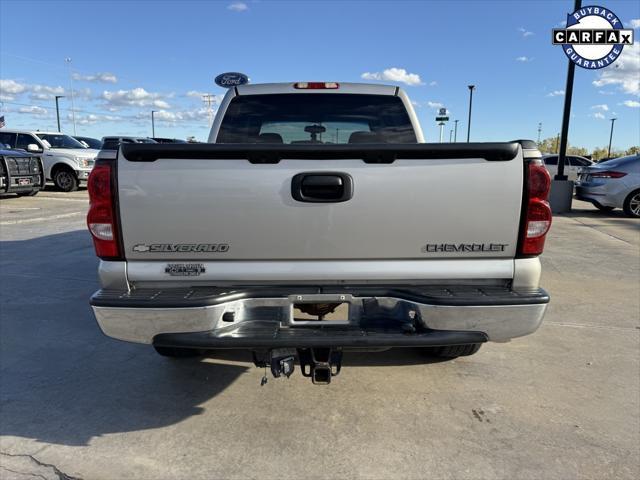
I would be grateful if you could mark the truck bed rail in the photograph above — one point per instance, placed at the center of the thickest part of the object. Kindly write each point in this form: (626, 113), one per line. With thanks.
(262, 153)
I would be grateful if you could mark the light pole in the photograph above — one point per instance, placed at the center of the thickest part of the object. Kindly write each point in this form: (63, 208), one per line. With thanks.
(455, 132)
(73, 108)
(471, 89)
(441, 124)
(58, 111)
(611, 137)
(450, 135)
(153, 124)
(566, 115)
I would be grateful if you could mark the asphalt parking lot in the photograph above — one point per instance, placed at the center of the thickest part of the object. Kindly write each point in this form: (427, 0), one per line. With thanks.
(563, 403)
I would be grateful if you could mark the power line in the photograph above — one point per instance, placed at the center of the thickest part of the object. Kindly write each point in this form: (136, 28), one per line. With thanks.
(120, 116)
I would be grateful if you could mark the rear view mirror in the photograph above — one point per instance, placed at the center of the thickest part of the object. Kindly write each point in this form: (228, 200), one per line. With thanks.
(33, 148)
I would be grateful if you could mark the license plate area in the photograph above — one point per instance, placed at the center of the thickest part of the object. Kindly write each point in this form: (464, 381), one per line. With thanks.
(24, 181)
(320, 310)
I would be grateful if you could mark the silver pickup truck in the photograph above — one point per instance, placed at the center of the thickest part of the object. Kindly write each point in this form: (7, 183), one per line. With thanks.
(316, 220)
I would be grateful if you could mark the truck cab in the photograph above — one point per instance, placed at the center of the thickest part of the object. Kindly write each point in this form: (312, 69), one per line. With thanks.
(66, 161)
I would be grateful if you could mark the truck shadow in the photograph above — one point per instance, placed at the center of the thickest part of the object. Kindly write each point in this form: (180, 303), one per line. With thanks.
(64, 382)
(61, 380)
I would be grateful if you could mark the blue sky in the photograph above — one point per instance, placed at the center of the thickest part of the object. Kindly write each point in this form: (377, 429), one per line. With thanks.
(129, 58)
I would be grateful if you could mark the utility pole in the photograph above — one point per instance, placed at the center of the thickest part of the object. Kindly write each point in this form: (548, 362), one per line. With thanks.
(471, 89)
(450, 135)
(539, 131)
(153, 124)
(611, 137)
(58, 111)
(455, 131)
(209, 99)
(73, 108)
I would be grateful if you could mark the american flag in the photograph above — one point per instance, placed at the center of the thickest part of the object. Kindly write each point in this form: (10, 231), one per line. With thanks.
(2, 124)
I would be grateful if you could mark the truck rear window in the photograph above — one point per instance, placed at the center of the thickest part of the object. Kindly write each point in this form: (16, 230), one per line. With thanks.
(317, 118)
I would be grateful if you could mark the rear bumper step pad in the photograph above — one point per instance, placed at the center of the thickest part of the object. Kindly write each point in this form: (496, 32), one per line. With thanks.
(271, 335)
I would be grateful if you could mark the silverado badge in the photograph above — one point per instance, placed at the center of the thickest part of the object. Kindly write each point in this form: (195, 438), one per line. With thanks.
(182, 248)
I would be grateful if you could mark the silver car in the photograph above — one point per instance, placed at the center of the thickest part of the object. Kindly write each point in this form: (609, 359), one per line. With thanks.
(572, 165)
(612, 184)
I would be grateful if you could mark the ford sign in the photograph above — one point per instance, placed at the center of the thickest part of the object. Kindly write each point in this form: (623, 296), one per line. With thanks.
(231, 79)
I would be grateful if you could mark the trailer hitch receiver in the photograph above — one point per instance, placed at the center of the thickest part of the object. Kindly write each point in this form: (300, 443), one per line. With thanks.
(320, 364)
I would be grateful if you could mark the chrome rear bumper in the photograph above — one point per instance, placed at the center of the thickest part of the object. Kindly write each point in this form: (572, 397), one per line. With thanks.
(250, 318)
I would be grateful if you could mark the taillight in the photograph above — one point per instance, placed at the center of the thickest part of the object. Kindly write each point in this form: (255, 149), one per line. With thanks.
(606, 174)
(537, 217)
(316, 85)
(101, 218)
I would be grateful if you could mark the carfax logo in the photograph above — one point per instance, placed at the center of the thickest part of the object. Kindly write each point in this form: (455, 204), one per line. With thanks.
(593, 38)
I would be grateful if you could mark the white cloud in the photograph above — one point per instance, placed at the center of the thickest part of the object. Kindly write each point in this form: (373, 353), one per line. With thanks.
(198, 114)
(631, 104)
(394, 74)
(598, 115)
(105, 77)
(524, 59)
(238, 7)
(625, 72)
(195, 93)
(92, 119)
(431, 104)
(44, 92)
(556, 93)
(11, 87)
(605, 92)
(433, 84)
(34, 110)
(136, 97)
(634, 23)
(525, 33)
(603, 106)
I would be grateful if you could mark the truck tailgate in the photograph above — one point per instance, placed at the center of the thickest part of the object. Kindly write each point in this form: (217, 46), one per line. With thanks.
(208, 208)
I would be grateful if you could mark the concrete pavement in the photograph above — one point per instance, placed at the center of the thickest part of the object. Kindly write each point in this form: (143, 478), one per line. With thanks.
(563, 403)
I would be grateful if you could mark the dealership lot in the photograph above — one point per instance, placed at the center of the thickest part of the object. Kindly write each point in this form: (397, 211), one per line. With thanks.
(562, 403)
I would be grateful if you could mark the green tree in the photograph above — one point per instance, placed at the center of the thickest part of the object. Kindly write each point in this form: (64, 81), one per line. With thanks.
(632, 151)
(548, 145)
(577, 151)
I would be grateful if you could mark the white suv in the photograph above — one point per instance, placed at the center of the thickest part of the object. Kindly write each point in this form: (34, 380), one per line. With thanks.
(66, 161)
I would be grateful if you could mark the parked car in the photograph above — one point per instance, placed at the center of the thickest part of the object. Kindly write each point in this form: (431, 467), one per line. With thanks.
(612, 184)
(66, 161)
(572, 164)
(168, 140)
(322, 223)
(20, 172)
(90, 142)
(113, 143)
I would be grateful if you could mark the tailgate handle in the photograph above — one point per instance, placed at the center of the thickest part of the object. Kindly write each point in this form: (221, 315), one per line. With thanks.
(322, 187)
